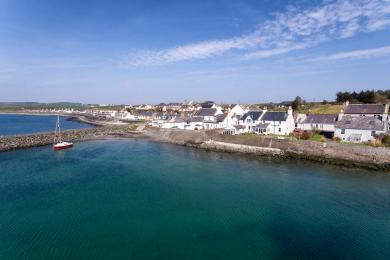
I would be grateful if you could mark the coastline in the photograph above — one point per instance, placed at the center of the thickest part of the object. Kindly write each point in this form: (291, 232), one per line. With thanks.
(347, 155)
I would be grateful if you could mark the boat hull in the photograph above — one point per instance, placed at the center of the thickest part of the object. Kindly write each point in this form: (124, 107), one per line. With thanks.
(62, 146)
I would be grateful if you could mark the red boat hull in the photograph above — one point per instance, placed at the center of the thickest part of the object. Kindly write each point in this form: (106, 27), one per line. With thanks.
(63, 147)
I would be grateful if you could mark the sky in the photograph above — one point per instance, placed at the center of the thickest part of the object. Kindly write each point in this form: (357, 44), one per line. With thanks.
(229, 51)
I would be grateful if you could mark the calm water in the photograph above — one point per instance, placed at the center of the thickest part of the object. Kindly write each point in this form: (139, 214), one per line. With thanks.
(142, 200)
(26, 124)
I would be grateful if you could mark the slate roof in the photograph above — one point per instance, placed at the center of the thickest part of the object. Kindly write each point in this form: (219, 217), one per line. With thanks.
(207, 104)
(360, 123)
(206, 112)
(274, 116)
(320, 119)
(364, 109)
(196, 119)
(146, 113)
(255, 115)
(221, 117)
(180, 120)
(262, 125)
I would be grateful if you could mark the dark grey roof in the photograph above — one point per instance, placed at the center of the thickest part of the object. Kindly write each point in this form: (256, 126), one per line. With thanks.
(255, 115)
(146, 113)
(221, 117)
(320, 119)
(207, 104)
(360, 123)
(262, 125)
(196, 119)
(274, 116)
(206, 112)
(364, 109)
(180, 120)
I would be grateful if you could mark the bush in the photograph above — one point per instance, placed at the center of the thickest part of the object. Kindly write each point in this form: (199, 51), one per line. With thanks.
(306, 135)
(385, 140)
(337, 139)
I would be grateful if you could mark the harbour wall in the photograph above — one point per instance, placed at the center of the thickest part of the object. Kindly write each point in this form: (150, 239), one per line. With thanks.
(350, 155)
(8, 143)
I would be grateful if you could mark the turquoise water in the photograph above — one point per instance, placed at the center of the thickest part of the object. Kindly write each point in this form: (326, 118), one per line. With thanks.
(128, 199)
(27, 124)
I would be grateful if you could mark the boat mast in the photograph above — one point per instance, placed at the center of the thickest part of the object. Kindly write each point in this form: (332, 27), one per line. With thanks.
(59, 129)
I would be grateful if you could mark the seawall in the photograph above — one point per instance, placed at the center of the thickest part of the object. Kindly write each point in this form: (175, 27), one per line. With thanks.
(350, 155)
(40, 139)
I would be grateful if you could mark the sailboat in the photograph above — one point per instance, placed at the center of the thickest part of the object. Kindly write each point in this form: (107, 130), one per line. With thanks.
(58, 144)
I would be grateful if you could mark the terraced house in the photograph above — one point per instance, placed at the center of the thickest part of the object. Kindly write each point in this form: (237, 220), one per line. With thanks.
(362, 122)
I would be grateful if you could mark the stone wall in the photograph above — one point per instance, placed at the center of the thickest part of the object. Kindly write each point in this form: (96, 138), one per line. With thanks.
(25, 141)
(332, 152)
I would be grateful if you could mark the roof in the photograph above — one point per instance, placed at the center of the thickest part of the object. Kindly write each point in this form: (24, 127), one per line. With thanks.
(146, 113)
(179, 120)
(274, 116)
(360, 123)
(364, 109)
(262, 125)
(239, 126)
(320, 119)
(255, 115)
(221, 117)
(206, 112)
(207, 104)
(196, 119)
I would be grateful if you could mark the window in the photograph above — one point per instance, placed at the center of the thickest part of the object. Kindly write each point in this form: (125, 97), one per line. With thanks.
(373, 133)
(342, 131)
(280, 130)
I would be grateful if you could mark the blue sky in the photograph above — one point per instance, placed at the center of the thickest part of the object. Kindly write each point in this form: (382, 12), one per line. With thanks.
(226, 50)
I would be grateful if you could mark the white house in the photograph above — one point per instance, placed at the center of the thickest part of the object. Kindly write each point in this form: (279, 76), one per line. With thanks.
(358, 128)
(209, 116)
(378, 111)
(250, 119)
(178, 123)
(277, 123)
(319, 122)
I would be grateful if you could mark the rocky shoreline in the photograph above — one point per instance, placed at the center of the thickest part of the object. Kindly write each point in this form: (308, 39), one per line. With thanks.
(332, 153)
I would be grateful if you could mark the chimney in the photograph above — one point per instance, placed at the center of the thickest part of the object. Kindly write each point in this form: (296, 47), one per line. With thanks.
(346, 103)
(341, 114)
(264, 110)
(290, 111)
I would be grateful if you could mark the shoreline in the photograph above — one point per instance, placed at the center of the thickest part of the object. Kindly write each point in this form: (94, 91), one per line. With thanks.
(351, 156)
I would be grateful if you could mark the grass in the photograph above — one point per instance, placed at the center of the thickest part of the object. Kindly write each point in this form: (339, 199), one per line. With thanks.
(321, 109)
(133, 127)
(317, 137)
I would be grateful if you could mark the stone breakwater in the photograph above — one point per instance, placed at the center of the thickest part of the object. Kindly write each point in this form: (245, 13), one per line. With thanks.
(350, 155)
(40, 139)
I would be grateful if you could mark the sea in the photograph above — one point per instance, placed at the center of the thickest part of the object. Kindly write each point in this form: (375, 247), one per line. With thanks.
(17, 124)
(138, 199)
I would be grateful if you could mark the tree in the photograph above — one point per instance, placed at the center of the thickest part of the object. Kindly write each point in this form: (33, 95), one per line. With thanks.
(296, 103)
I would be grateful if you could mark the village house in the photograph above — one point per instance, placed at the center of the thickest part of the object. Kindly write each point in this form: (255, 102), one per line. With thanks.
(250, 119)
(176, 123)
(359, 128)
(145, 115)
(318, 122)
(361, 122)
(277, 123)
(209, 116)
(378, 111)
(195, 123)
